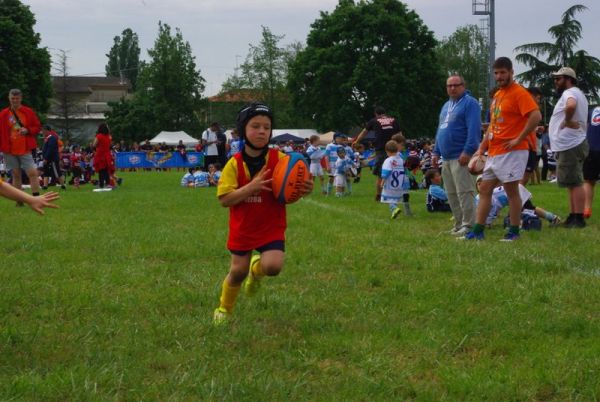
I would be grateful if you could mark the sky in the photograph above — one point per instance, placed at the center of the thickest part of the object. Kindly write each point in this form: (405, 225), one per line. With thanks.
(220, 31)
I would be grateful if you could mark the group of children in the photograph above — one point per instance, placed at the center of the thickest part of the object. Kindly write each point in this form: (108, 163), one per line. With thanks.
(196, 177)
(339, 160)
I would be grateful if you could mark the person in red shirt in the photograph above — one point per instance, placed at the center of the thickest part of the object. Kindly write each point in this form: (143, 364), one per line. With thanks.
(103, 159)
(257, 221)
(19, 127)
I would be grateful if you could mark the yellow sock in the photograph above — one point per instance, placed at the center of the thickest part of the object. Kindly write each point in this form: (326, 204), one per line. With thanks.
(256, 268)
(228, 296)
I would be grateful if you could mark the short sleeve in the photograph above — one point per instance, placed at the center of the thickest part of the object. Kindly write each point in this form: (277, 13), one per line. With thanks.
(228, 180)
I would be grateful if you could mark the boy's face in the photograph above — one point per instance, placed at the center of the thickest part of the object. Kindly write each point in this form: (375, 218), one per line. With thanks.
(341, 154)
(258, 130)
(338, 140)
(437, 178)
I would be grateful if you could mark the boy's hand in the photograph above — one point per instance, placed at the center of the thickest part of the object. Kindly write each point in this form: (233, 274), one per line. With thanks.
(259, 182)
(44, 201)
(307, 187)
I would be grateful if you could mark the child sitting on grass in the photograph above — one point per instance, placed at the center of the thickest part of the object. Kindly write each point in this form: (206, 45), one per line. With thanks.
(437, 200)
(500, 200)
(214, 173)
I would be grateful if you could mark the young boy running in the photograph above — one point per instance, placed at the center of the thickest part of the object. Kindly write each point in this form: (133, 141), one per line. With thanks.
(257, 221)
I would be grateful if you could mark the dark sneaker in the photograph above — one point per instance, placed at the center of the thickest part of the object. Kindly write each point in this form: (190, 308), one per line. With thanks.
(472, 236)
(511, 237)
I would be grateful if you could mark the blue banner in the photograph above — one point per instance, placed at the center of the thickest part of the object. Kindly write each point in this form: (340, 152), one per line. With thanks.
(128, 160)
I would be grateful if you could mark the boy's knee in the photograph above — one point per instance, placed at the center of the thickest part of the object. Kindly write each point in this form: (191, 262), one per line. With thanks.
(238, 274)
(271, 268)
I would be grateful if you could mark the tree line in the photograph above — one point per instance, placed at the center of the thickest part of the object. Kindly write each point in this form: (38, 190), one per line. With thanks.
(361, 54)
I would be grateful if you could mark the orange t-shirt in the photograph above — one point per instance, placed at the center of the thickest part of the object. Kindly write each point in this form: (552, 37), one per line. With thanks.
(508, 116)
(18, 141)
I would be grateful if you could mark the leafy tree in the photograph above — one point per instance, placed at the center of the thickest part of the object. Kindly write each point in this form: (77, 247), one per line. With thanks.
(23, 64)
(168, 91)
(465, 52)
(365, 54)
(263, 76)
(545, 57)
(124, 57)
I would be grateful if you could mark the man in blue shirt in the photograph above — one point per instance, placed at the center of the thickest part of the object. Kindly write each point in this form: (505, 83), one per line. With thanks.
(591, 165)
(457, 139)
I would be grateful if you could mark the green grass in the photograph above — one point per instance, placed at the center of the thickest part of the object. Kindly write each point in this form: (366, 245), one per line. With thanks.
(111, 298)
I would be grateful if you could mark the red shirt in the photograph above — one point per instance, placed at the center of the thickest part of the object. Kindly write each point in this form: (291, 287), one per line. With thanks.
(258, 220)
(12, 142)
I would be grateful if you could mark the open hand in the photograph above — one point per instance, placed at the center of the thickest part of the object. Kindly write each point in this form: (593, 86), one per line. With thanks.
(44, 201)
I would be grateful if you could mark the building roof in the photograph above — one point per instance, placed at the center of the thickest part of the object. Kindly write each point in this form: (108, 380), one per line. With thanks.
(239, 95)
(77, 84)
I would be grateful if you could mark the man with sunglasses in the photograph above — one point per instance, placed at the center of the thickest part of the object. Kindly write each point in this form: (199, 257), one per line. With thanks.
(457, 139)
(567, 131)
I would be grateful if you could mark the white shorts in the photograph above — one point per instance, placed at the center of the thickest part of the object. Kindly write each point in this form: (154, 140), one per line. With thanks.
(331, 171)
(316, 169)
(340, 180)
(507, 167)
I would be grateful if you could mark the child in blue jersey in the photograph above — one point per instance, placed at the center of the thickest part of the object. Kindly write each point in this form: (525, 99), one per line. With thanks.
(409, 179)
(236, 144)
(332, 156)
(437, 199)
(214, 173)
(394, 184)
(352, 165)
(201, 178)
(315, 154)
(500, 200)
(342, 165)
(188, 179)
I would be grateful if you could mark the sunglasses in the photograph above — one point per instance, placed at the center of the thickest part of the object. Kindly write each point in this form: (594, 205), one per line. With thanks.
(558, 78)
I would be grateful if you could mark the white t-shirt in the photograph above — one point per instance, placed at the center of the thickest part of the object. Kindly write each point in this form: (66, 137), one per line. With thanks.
(567, 138)
(210, 150)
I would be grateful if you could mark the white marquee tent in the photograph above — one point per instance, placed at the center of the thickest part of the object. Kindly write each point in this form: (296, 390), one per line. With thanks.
(173, 138)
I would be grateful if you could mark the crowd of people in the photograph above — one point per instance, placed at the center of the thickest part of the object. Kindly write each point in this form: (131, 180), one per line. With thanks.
(510, 146)
(22, 162)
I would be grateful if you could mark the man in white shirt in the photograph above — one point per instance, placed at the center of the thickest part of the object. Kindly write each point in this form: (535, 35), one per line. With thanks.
(210, 142)
(568, 142)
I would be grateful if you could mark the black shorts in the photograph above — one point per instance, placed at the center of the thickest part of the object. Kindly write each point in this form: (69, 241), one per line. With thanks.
(52, 169)
(532, 161)
(591, 166)
(274, 245)
(380, 157)
(528, 205)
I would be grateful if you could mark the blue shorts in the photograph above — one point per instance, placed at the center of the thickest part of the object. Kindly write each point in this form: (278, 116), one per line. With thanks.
(274, 245)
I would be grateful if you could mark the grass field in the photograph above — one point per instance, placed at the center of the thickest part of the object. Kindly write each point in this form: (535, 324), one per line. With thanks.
(111, 298)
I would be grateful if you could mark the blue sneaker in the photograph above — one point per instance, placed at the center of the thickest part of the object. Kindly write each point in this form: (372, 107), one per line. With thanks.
(511, 237)
(472, 236)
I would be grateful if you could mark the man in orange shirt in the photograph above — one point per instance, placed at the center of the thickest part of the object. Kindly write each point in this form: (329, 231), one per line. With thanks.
(514, 115)
(19, 127)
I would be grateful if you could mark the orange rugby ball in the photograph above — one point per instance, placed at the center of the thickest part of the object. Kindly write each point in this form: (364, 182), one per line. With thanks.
(289, 176)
